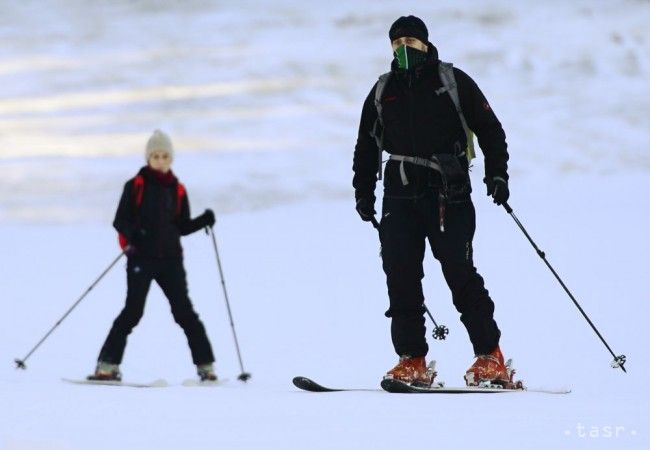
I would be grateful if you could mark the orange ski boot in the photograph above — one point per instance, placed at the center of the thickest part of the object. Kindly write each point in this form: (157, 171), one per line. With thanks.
(491, 370)
(413, 371)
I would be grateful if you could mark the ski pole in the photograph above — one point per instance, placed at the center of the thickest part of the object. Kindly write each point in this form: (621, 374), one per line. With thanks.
(440, 331)
(619, 361)
(244, 376)
(20, 363)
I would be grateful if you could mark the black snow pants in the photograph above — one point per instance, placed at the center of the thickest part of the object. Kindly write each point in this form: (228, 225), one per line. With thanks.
(405, 225)
(169, 273)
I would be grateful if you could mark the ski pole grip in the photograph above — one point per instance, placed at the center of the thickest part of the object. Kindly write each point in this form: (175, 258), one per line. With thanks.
(374, 222)
(507, 207)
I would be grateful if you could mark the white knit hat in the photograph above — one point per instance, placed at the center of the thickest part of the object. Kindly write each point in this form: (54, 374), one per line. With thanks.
(159, 141)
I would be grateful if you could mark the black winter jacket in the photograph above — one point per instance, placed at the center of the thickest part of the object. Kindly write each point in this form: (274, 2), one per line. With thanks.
(418, 122)
(155, 227)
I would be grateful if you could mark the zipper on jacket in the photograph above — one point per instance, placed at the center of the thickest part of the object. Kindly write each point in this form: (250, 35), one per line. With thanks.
(161, 210)
(409, 92)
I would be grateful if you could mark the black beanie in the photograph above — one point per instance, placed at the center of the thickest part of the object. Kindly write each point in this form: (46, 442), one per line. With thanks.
(409, 26)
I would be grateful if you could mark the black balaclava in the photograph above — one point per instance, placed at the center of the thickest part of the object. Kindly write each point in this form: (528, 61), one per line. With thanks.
(409, 26)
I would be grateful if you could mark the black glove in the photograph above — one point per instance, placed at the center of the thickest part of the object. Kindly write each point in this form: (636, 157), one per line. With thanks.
(130, 250)
(136, 240)
(497, 187)
(208, 219)
(366, 208)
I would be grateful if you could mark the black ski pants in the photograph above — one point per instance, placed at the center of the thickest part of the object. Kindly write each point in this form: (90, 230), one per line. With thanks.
(169, 273)
(405, 226)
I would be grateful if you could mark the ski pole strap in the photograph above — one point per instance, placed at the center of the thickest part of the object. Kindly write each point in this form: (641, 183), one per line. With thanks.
(418, 161)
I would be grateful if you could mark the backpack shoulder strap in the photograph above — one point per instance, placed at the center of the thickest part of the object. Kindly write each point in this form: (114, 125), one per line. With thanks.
(138, 190)
(138, 193)
(180, 193)
(378, 128)
(449, 85)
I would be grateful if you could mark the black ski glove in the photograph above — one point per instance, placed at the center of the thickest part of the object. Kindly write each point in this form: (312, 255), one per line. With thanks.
(208, 219)
(497, 187)
(366, 208)
(130, 250)
(136, 240)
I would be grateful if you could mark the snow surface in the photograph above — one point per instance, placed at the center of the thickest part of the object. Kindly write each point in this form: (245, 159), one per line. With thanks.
(262, 100)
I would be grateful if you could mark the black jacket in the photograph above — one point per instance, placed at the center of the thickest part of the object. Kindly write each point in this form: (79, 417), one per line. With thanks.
(417, 122)
(154, 228)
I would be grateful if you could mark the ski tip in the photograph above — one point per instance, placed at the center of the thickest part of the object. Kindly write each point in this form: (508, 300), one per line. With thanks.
(300, 382)
(307, 384)
(549, 390)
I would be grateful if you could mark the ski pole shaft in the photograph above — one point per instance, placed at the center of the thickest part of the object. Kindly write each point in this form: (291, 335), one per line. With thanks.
(430, 315)
(619, 361)
(20, 363)
(244, 376)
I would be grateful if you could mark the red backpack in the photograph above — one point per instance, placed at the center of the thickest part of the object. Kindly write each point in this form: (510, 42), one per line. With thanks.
(138, 192)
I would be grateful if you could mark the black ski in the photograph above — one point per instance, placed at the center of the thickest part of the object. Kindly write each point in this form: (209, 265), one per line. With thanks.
(399, 387)
(307, 384)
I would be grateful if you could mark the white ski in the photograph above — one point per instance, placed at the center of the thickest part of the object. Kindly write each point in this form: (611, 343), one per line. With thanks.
(192, 382)
(154, 384)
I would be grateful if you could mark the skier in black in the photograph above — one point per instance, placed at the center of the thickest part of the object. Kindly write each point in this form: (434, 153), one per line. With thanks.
(427, 196)
(152, 215)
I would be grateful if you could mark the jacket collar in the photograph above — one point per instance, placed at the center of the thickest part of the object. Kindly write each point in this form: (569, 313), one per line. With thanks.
(165, 179)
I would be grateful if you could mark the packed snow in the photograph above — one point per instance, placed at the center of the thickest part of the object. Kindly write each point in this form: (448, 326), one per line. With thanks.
(262, 100)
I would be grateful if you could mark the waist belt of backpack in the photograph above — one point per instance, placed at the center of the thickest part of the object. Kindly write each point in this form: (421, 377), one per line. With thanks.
(418, 161)
(424, 162)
